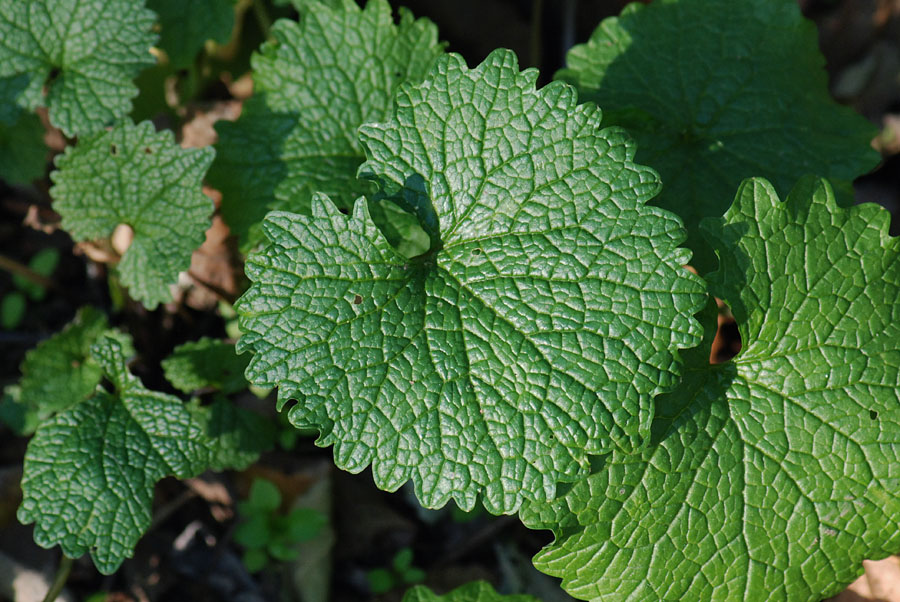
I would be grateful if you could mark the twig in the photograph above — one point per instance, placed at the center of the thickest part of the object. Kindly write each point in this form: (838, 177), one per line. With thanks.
(218, 291)
(13, 266)
(59, 581)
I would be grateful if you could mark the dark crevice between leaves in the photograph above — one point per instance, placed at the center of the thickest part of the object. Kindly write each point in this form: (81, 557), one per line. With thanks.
(414, 198)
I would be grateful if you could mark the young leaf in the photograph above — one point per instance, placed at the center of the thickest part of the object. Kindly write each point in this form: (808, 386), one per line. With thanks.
(84, 54)
(315, 84)
(186, 26)
(90, 470)
(23, 154)
(775, 475)
(206, 363)
(537, 335)
(135, 176)
(12, 310)
(744, 94)
(475, 591)
(60, 371)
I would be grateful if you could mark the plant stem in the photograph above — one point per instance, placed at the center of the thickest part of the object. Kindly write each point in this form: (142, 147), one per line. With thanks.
(59, 581)
(13, 266)
(262, 17)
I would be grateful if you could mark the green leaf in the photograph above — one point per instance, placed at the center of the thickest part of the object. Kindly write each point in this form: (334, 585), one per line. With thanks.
(264, 497)
(282, 551)
(206, 363)
(771, 477)
(253, 532)
(84, 53)
(12, 310)
(496, 365)
(23, 154)
(90, 470)
(255, 560)
(135, 176)
(743, 94)
(21, 418)
(235, 436)
(186, 26)
(475, 591)
(381, 581)
(304, 524)
(60, 372)
(403, 559)
(315, 83)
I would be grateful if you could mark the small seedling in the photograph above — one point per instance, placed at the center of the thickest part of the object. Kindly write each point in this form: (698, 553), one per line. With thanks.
(266, 533)
(400, 573)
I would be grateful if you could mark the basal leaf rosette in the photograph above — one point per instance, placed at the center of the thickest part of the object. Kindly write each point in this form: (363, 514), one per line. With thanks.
(771, 477)
(76, 57)
(536, 331)
(745, 94)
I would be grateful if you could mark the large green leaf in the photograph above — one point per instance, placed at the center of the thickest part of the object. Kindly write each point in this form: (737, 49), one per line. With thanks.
(536, 332)
(187, 25)
(90, 470)
(136, 176)
(773, 476)
(715, 91)
(475, 591)
(76, 57)
(315, 83)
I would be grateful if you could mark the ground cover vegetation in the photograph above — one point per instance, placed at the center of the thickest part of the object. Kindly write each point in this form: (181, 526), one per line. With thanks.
(486, 291)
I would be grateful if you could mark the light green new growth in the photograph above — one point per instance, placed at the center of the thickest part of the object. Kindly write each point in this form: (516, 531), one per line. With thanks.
(475, 591)
(60, 372)
(535, 334)
(185, 25)
(773, 476)
(23, 154)
(90, 470)
(76, 57)
(314, 85)
(135, 176)
(743, 94)
(206, 363)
